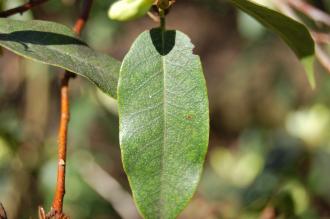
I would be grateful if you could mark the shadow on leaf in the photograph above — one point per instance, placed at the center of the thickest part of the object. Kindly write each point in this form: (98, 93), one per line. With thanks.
(40, 38)
(163, 42)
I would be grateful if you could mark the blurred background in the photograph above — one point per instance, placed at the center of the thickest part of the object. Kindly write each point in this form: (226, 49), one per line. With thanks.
(269, 151)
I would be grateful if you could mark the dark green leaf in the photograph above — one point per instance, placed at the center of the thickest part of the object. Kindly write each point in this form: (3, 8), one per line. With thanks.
(164, 121)
(292, 32)
(56, 45)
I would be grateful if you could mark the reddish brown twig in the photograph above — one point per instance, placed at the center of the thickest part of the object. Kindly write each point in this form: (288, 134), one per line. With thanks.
(41, 213)
(62, 143)
(153, 17)
(318, 16)
(81, 22)
(23, 8)
(3, 214)
(323, 57)
(64, 121)
(322, 38)
(310, 11)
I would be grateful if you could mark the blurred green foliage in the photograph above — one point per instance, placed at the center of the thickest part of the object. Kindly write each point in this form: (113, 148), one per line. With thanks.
(269, 146)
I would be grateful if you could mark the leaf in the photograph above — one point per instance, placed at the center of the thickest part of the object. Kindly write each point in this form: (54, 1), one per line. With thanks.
(164, 121)
(292, 32)
(125, 10)
(56, 45)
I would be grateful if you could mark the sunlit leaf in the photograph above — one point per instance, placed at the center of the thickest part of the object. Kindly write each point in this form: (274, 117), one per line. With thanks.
(164, 121)
(124, 10)
(56, 45)
(292, 32)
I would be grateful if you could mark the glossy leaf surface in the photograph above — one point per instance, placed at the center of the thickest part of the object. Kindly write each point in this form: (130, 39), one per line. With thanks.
(56, 45)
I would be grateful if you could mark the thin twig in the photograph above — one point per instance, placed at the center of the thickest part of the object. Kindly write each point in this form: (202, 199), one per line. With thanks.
(23, 8)
(65, 117)
(268, 213)
(81, 22)
(310, 11)
(283, 6)
(153, 17)
(323, 57)
(3, 214)
(322, 38)
(62, 143)
(315, 14)
(108, 188)
(41, 213)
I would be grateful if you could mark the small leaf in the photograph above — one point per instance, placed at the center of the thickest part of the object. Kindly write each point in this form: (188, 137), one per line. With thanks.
(292, 32)
(125, 10)
(56, 45)
(164, 121)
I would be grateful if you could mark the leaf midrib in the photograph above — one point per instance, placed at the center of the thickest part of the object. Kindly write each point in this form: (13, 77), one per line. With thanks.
(161, 199)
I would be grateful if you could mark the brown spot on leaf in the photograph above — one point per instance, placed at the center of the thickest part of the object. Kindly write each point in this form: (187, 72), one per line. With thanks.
(189, 117)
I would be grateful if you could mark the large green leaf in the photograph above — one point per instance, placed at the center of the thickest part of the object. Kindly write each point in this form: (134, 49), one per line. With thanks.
(164, 121)
(292, 32)
(56, 45)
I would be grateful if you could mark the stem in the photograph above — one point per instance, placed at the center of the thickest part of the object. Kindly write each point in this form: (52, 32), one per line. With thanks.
(323, 57)
(81, 21)
(316, 15)
(62, 145)
(153, 17)
(310, 11)
(3, 214)
(23, 8)
(162, 19)
(321, 38)
(65, 117)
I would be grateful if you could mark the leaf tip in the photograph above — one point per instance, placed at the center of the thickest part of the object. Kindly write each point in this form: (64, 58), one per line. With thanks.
(308, 63)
